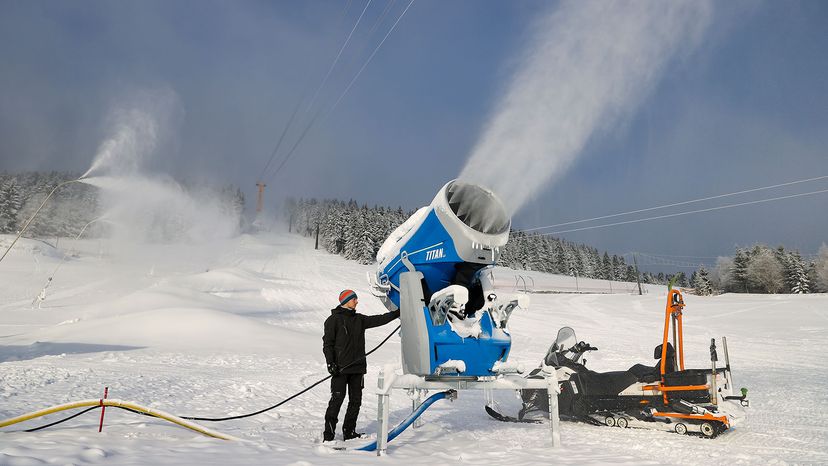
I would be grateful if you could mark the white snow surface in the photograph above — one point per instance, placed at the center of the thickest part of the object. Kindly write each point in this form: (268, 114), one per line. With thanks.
(233, 327)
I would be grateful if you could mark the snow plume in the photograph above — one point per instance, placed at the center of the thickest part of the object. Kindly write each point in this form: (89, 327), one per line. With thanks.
(137, 126)
(144, 207)
(591, 64)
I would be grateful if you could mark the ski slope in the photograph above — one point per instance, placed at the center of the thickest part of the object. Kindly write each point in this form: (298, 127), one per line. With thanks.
(233, 327)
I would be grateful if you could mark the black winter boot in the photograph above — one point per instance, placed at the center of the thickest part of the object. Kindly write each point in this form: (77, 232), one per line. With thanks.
(352, 435)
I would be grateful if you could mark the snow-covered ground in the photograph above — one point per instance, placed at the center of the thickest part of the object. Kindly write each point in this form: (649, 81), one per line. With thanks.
(234, 327)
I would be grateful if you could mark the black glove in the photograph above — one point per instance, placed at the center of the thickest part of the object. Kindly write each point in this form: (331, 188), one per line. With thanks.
(333, 369)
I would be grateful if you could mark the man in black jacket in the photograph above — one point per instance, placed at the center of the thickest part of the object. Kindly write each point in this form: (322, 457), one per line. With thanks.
(344, 346)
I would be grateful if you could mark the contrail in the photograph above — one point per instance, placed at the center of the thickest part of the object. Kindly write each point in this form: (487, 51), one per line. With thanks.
(590, 65)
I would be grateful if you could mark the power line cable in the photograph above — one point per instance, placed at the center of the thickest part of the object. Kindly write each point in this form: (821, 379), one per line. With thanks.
(316, 115)
(382, 16)
(338, 55)
(281, 138)
(686, 213)
(806, 180)
(672, 255)
(318, 89)
(394, 26)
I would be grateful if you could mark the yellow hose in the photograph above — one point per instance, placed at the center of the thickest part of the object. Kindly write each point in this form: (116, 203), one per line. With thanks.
(118, 403)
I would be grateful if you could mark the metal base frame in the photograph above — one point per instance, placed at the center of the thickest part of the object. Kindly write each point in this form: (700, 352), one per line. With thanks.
(388, 381)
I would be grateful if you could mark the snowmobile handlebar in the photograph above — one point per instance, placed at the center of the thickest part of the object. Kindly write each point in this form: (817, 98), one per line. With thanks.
(582, 347)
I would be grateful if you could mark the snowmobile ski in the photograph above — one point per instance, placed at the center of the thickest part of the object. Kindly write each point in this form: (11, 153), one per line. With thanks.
(504, 418)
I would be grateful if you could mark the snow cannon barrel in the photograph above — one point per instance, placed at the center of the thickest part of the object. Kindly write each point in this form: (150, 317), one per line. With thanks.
(464, 228)
(436, 268)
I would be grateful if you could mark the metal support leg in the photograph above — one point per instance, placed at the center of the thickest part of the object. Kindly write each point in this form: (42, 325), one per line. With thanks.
(383, 398)
(554, 418)
(415, 402)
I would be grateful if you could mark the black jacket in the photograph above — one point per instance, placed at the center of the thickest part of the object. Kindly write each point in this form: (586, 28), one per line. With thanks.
(344, 338)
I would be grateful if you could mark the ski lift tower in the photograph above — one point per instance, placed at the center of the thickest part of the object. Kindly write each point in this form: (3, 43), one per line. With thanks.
(259, 197)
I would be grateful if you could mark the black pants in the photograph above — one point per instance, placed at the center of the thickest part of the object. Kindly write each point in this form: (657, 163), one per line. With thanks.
(354, 384)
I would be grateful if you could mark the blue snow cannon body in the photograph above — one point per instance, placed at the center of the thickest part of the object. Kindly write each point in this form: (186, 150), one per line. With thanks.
(436, 268)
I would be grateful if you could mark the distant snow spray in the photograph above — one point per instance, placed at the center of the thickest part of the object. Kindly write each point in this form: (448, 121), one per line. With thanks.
(136, 129)
(137, 125)
(589, 65)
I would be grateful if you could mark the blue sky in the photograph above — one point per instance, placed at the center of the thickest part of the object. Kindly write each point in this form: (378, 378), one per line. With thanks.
(746, 107)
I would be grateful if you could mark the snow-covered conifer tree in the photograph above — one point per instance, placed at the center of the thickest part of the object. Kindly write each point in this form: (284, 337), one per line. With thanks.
(797, 277)
(702, 282)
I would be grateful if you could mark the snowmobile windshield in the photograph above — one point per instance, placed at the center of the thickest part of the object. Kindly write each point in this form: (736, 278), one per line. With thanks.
(564, 341)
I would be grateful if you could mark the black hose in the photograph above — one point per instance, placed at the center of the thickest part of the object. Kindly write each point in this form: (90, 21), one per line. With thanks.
(62, 420)
(209, 419)
(221, 418)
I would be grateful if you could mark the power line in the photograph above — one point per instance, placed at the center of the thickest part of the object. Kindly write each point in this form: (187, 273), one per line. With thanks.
(687, 213)
(671, 255)
(681, 203)
(316, 115)
(382, 16)
(304, 94)
(338, 55)
(371, 57)
(657, 260)
(281, 138)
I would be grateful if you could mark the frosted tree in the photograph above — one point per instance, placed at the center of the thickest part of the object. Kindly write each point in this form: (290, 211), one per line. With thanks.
(764, 272)
(797, 277)
(701, 282)
(11, 201)
(739, 270)
(721, 275)
(821, 268)
(606, 267)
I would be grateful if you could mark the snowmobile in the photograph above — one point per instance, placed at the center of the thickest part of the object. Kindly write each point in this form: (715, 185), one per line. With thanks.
(666, 396)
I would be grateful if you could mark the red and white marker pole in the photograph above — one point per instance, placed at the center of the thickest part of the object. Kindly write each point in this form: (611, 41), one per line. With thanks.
(103, 408)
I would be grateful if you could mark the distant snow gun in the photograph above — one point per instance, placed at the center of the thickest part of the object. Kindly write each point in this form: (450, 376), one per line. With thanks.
(436, 268)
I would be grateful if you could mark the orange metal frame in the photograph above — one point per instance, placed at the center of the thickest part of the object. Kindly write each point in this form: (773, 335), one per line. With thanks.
(706, 416)
(673, 312)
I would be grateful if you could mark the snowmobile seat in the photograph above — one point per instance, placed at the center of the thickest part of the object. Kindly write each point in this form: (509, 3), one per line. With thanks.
(649, 374)
(646, 374)
(605, 383)
(671, 358)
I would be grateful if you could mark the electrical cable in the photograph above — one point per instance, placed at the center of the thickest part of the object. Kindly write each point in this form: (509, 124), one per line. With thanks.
(338, 55)
(224, 418)
(228, 418)
(96, 403)
(393, 26)
(63, 420)
(382, 16)
(686, 213)
(313, 120)
(762, 188)
(281, 138)
(304, 94)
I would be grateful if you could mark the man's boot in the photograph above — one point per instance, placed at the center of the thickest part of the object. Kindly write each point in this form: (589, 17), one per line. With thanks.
(352, 435)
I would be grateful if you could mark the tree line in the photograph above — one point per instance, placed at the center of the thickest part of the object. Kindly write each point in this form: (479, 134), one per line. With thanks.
(762, 269)
(357, 231)
(72, 206)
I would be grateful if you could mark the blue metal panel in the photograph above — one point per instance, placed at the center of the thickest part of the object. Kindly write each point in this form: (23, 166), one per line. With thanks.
(479, 354)
(431, 250)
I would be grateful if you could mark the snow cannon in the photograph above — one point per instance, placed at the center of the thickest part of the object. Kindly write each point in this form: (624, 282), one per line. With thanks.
(436, 268)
